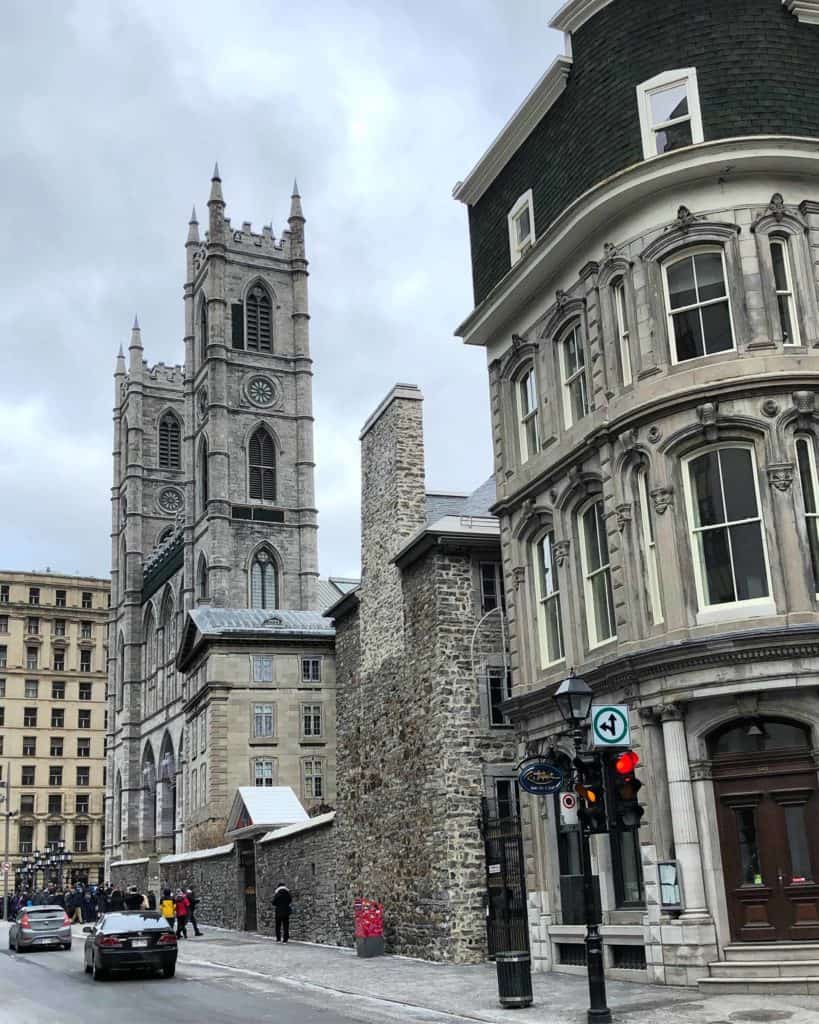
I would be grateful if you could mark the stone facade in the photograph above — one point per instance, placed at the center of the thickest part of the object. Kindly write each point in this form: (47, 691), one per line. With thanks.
(411, 780)
(605, 515)
(53, 633)
(305, 858)
(213, 505)
(216, 877)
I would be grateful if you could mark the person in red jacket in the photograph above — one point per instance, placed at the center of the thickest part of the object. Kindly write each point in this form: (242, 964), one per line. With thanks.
(182, 905)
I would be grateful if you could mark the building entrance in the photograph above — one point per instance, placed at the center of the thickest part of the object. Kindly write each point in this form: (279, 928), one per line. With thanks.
(765, 784)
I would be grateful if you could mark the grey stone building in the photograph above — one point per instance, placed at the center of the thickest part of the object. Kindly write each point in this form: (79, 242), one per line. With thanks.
(645, 244)
(220, 667)
(421, 676)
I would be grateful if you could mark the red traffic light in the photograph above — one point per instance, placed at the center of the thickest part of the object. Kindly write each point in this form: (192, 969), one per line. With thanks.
(626, 762)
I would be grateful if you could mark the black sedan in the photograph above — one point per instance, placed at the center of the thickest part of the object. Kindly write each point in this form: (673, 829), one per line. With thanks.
(128, 940)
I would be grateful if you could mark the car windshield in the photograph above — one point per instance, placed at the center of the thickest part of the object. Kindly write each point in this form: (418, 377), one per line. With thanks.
(139, 921)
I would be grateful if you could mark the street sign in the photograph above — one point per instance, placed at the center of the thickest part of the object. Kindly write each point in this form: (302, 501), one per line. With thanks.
(568, 809)
(610, 725)
(540, 778)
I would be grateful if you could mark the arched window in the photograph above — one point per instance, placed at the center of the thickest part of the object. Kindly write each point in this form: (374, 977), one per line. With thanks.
(259, 320)
(576, 403)
(528, 416)
(697, 304)
(594, 560)
(203, 331)
(203, 475)
(621, 319)
(124, 439)
(264, 586)
(783, 284)
(809, 485)
(547, 593)
(120, 680)
(117, 815)
(202, 579)
(262, 466)
(649, 546)
(170, 447)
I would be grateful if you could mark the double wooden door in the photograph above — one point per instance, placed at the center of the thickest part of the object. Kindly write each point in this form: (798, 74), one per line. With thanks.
(768, 813)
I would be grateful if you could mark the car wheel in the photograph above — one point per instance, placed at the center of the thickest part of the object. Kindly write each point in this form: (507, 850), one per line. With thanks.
(100, 973)
(169, 971)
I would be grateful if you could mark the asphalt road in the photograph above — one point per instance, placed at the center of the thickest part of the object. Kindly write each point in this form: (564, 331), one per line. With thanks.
(50, 987)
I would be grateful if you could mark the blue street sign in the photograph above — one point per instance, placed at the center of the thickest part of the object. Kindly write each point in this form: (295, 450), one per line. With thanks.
(540, 778)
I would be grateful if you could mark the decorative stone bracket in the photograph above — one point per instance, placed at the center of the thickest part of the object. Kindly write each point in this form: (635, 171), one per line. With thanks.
(780, 475)
(663, 499)
(560, 549)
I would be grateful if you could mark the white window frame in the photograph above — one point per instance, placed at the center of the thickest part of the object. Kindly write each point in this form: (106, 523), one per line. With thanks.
(527, 415)
(308, 679)
(728, 610)
(655, 602)
(592, 625)
(317, 772)
(545, 599)
(814, 480)
(504, 673)
(262, 668)
(267, 781)
(260, 716)
(621, 320)
(312, 713)
(690, 253)
(568, 379)
(790, 294)
(519, 248)
(666, 79)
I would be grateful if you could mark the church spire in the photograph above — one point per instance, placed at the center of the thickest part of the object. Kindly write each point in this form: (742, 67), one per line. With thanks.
(216, 187)
(135, 348)
(296, 211)
(193, 228)
(216, 209)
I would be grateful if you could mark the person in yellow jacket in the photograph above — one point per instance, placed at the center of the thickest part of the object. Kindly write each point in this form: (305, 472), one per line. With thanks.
(167, 907)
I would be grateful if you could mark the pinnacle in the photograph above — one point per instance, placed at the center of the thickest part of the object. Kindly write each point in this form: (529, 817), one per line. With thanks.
(216, 187)
(136, 323)
(296, 188)
(216, 172)
(120, 354)
(193, 219)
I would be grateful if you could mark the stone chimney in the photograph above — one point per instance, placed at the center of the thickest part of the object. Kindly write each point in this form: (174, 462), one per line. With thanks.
(392, 511)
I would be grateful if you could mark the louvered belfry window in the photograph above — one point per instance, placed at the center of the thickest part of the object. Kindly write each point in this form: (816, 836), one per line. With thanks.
(169, 442)
(264, 591)
(259, 320)
(262, 466)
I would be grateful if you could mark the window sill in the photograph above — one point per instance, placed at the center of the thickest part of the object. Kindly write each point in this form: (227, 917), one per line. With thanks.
(305, 742)
(734, 612)
(263, 741)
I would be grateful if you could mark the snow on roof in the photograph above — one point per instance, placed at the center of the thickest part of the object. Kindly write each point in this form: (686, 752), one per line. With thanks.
(214, 851)
(219, 621)
(304, 826)
(255, 806)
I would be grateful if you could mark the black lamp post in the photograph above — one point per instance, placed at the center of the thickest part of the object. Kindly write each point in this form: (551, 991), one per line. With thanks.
(573, 699)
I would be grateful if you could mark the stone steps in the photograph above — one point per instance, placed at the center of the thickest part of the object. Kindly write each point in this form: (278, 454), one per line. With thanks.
(783, 968)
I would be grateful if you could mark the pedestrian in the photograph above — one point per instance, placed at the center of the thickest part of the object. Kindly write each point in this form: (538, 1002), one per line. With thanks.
(193, 900)
(106, 898)
(282, 904)
(133, 898)
(117, 901)
(182, 906)
(74, 905)
(167, 907)
(151, 900)
(59, 898)
(89, 910)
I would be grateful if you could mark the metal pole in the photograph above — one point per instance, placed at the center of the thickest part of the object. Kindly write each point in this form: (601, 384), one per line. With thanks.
(6, 844)
(598, 1012)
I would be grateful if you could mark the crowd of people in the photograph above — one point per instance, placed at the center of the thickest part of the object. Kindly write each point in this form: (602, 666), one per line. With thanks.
(85, 903)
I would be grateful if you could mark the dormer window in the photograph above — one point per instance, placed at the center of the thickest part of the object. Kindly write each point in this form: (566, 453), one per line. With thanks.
(521, 227)
(669, 107)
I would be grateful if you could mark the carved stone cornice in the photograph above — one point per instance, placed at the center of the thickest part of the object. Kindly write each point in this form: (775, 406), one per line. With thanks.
(700, 770)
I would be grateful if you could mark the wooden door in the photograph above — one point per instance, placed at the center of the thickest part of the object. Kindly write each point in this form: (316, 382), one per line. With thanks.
(768, 813)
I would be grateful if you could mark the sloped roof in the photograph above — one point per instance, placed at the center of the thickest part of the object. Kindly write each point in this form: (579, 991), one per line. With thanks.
(260, 809)
(220, 621)
(334, 587)
(439, 504)
(304, 826)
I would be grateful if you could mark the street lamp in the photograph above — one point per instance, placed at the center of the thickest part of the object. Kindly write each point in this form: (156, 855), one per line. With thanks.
(573, 699)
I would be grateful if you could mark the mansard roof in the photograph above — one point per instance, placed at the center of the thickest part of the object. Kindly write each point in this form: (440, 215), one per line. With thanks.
(219, 625)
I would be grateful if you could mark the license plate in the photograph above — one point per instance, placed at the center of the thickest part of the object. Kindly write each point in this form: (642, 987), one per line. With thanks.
(139, 943)
(44, 942)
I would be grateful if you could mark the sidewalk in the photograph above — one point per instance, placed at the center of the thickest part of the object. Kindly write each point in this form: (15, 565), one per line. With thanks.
(471, 993)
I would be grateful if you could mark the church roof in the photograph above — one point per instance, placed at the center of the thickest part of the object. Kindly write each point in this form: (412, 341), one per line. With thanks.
(333, 588)
(212, 621)
(451, 503)
(258, 809)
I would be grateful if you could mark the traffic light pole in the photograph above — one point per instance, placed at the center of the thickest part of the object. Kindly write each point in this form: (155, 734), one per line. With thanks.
(598, 1012)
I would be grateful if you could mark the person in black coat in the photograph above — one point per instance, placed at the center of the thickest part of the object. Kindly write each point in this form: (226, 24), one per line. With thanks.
(282, 905)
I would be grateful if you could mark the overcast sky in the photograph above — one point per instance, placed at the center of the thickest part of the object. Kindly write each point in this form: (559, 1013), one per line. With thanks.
(112, 116)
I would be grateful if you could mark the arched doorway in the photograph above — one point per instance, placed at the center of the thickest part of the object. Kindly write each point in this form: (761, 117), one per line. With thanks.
(767, 798)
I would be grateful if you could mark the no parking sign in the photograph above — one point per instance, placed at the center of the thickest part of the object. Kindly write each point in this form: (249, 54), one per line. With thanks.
(568, 809)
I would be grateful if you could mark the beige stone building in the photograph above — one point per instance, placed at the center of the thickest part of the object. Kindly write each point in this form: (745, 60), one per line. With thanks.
(53, 716)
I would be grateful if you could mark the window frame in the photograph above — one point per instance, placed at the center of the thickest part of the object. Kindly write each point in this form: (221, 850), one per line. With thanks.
(784, 241)
(525, 414)
(592, 630)
(262, 475)
(574, 327)
(256, 716)
(310, 660)
(813, 474)
(500, 674)
(710, 612)
(258, 762)
(312, 713)
(621, 319)
(659, 83)
(689, 252)
(519, 248)
(317, 772)
(542, 600)
(649, 546)
(257, 345)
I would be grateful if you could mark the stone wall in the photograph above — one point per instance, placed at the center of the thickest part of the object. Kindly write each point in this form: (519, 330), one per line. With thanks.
(217, 879)
(125, 873)
(304, 858)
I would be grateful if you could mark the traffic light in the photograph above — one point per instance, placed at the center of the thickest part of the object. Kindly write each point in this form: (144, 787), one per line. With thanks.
(625, 789)
(591, 789)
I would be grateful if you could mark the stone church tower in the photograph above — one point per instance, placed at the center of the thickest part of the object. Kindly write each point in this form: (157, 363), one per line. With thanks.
(213, 505)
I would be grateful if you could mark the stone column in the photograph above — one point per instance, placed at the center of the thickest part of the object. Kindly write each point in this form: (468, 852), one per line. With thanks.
(683, 814)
